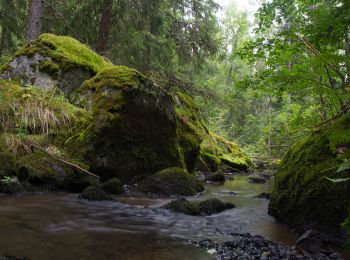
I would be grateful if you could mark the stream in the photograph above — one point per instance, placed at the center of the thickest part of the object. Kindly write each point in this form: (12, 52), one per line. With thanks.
(60, 226)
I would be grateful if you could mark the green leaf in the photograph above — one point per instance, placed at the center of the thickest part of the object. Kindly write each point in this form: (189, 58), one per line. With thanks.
(344, 166)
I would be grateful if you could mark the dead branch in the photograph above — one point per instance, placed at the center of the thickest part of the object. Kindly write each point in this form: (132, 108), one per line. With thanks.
(72, 165)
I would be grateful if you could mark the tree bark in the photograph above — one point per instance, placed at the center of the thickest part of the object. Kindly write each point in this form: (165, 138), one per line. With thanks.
(105, 23)
(34, 23)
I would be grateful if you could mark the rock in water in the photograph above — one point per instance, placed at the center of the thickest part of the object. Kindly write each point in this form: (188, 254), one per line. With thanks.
(182, 206)
(213, 206)
(113, 186)
(256, 179)
(94, 193)
(263, 195)
(171, 181)
(217, 177)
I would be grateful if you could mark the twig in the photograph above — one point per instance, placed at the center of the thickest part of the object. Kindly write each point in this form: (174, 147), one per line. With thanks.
(65, 162)
(334, 117)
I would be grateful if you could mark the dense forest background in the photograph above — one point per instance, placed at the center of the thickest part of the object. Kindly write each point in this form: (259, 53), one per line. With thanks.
(265, 82)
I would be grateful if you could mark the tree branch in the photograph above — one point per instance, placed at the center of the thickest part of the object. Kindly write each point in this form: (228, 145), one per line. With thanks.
(72, 165)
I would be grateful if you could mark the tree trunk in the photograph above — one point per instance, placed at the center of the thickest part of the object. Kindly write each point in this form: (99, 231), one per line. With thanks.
(34, 23)
(105, 23)
(2, 40)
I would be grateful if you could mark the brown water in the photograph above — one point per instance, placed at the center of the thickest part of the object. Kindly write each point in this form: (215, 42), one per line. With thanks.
(59, 226)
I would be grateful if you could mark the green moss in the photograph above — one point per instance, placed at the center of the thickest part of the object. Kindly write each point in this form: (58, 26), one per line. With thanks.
(182, 206)
(224, 152)
(127, 105)
(95, 193)
(191, 130)
(66, 52)
(302, 196)
(113, 186)
(49, 67)
(171, 181)
(213, 206)
(211, 161)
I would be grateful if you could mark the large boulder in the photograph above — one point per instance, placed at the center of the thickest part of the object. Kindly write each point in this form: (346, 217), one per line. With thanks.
(115, 123)
(303, 196)
(132, 131)
(52, 61)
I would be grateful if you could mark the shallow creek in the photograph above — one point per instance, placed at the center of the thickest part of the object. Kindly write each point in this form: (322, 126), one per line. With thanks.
(59, 226)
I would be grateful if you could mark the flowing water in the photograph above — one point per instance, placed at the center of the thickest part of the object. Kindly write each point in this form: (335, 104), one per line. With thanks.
(59, 226)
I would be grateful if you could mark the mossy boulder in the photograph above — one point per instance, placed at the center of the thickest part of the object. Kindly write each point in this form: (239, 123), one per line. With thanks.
(117, 122)
(302, 196)
(95, 193)
(216, 177)
(206, 207)
(191, 129)
(171, 181)
(213, 206)
(133, 127)
(217, 153)
(202, 149)
(182, 206)
(112, 186)
(52, 60)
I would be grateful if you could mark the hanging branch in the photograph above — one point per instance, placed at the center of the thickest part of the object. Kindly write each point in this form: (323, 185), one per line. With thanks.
(72, 165)
(334, 117)
(315, 52)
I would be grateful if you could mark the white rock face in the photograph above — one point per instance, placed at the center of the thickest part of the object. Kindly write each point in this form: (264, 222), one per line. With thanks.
(26, 68)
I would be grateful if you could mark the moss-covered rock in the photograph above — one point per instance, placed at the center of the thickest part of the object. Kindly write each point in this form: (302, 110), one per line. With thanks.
(213, 206)
(52, 60)
(215, 177)
(113, 186)
(133, 126)
(191, 130)
(95, 193)
(217, 153)
(120, 124)
(171, 181)
(182, 206)
(302, 196)
(202, 149)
